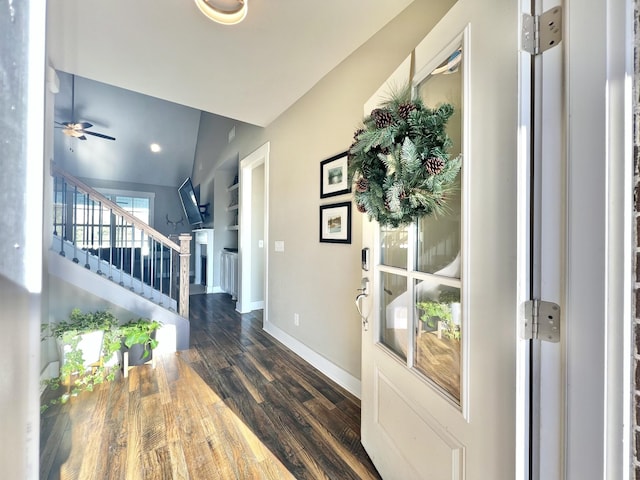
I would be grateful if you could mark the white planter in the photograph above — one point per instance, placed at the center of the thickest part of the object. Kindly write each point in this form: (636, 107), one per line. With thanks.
(90, 345)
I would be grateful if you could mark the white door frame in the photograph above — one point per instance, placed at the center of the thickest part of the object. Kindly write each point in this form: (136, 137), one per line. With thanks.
(255, 159)
(599, 257)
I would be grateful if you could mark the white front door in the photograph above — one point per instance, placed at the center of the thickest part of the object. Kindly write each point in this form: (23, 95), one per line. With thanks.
(443, 369)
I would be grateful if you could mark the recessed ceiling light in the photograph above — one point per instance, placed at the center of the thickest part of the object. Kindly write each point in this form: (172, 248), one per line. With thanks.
(155, 148)
(227, 12)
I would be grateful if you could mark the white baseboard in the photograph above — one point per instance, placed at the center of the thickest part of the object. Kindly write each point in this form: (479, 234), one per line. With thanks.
(249, 307)
(52, 370)
(330, 369)
(257, 305)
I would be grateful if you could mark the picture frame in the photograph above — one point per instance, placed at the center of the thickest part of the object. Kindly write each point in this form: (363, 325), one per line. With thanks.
(335, 223)
(334, 176)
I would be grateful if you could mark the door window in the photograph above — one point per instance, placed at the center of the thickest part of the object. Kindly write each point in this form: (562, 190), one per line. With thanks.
(421, 288)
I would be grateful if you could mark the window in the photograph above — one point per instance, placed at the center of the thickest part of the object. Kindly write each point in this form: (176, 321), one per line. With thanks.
(138, 204)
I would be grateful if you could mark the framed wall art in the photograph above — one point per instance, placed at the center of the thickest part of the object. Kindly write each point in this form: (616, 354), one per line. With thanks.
(335, 223)
(333, 176)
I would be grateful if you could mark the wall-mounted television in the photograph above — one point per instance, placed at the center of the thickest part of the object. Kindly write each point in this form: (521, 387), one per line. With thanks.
(190, 203)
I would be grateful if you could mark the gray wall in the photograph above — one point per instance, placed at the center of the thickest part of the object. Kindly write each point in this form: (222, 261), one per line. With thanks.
(318, 281)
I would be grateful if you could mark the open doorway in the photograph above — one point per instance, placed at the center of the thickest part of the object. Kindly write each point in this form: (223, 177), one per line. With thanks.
(254, 203)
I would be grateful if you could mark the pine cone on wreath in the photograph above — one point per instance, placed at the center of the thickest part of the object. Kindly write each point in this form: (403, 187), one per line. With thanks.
(357, 133)
(382, 118)
(361, 208)
(405, 109)
(434, 165)
(362, 185)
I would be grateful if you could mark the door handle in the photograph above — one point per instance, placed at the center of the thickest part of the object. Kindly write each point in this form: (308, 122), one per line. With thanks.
(363, 294)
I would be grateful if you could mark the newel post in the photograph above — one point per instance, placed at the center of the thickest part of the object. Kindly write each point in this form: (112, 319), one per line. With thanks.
(185, 245)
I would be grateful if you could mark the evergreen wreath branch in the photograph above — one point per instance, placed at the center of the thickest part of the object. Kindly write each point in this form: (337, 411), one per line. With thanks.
(399, 161)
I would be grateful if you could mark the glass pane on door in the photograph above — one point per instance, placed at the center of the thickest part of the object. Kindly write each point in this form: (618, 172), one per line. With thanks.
(438, 249)
(393, 246)
(394, 313)
(438, 334)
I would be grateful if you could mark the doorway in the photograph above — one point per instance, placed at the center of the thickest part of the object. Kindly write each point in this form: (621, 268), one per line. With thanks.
(254, 226)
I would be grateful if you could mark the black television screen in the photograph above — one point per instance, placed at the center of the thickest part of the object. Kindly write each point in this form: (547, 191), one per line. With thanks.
(190, 203)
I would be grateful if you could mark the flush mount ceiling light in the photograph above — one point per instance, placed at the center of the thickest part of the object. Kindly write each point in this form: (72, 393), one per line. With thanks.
(227, 12)
(155, 148)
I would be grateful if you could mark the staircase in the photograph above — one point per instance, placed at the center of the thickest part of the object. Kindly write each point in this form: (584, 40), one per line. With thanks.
(105, 250)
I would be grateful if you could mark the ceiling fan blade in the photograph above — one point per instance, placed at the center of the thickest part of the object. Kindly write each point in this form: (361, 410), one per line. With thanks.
(101, 135)
(82, 137)
(84, 125)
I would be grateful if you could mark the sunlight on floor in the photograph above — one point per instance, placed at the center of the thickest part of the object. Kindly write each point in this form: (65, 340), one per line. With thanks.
(173, 425)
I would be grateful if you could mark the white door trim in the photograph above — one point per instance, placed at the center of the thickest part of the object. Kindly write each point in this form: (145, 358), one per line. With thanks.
(599, 284)
(255, 159)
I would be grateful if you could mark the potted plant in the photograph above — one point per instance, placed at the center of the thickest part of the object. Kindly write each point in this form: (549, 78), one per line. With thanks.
(139, 340)
(87, 345)
(437, 315)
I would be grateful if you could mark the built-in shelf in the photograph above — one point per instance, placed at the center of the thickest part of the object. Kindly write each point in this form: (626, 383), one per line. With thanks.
(234, 206)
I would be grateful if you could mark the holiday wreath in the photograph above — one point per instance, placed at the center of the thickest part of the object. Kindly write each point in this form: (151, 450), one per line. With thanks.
(399, 161)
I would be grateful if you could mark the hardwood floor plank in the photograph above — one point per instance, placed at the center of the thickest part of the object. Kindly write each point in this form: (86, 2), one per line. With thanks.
(248, 384)
(301, 380)
(98, 444)
(153, 423)
(134, 432)
(53, 430)
(259, 366)
(179, 468)
(156, 464)
(283, 445)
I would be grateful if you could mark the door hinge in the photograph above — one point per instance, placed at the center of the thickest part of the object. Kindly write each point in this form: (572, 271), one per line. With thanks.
(541, 321)
(541, 32)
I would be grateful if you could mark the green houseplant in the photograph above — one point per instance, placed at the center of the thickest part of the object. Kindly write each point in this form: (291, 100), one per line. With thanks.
(138, 339)
(87, 346)
(437, 315)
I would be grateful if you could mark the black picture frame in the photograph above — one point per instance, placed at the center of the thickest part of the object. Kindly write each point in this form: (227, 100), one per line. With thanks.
(334, 176)
(335, 223)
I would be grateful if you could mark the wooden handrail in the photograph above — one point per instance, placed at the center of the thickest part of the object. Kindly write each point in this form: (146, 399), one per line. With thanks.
(97, 196)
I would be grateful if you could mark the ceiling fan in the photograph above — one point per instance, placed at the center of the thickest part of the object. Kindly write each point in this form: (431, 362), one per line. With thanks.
(78, 129)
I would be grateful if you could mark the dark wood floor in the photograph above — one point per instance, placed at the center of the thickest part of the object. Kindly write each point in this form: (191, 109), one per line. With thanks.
(237, 405)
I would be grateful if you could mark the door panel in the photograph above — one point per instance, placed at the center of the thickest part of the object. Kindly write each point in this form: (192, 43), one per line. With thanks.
(437, 453)
(441, 361)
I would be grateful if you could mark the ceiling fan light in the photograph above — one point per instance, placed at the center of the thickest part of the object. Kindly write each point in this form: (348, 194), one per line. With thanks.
(73, 132)
(225, 16)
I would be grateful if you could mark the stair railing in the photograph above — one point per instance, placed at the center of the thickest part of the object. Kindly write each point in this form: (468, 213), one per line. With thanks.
(104, 236)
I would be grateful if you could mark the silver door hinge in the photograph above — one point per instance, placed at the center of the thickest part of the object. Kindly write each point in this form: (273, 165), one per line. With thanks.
(542, 32)
(541, 321)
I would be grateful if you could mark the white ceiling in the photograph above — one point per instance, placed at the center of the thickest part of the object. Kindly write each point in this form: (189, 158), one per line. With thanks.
(250, 72)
